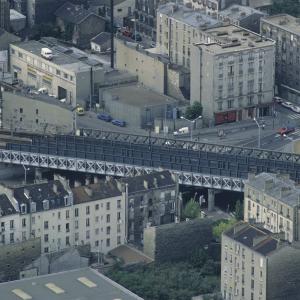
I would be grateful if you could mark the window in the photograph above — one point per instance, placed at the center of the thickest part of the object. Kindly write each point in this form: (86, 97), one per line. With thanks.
(59, 215)
(220, 105)
(118, 240)
(21, 110)
(46, 225)
(118, 228)
(67, 240)
(46, 250)
(57, 72)
(36, 121)
(107, 218)
(252, 271)
(107, 205)
(107, 242)
(97, 219)
(67, 227)
(46, 238)
(118, 216)
(67, 214)
(97, 207)
(87, 234)
(13, 51)
(119, 204)
(87, 222)
(11, 224)
(230, 103)
(20, 54)
(87, 210)
(76, 224)
(33, 220)
(37, 111)
(76, 212)
(108, 230)
(11, 237)
(58, 228)
(65, 75)
(23, 222)
(97, 231)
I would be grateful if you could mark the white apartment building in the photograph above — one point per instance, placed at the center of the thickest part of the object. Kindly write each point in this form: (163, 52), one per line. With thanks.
(273, 201)
(62, 217)
(178, 28)
(232, 74)
(71, 74)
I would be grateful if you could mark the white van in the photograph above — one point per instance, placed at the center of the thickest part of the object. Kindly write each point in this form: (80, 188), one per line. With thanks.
(183, 130)
(46, 53)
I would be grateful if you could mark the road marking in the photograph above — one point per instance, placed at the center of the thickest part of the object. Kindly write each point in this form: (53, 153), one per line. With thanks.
(294, 116)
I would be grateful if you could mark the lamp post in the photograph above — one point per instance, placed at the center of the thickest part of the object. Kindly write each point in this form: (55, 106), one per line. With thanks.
(25, 173)
(192, 122)
(259, 127)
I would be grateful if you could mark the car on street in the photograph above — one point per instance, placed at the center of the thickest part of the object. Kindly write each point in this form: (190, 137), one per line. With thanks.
(295, 109)
(105, 117)
(285, 130)
(287, 104)
(119, 123)
(278, 100)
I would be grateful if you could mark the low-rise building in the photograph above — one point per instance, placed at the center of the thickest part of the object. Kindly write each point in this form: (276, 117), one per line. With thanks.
(273, 201)
(255, 265)
(71, 74)
(243, 16)
(101, 42)
(232, 75)
(78, 25)
(285, 30)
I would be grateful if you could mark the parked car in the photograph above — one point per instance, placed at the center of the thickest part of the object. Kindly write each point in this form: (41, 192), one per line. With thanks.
(126, 32)
(105, 117)
(80, 111)
(287, 104)
(278, 100)
(295, 109)
(286, 130)
(180, 131)
(119, 123)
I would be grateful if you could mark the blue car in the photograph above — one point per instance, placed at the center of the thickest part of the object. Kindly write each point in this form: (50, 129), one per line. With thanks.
(119, 123)
(105, 117)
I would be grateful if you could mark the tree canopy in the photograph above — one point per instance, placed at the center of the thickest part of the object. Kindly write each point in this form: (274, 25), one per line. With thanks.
(193, 111)
(221, 226)
(191, 210)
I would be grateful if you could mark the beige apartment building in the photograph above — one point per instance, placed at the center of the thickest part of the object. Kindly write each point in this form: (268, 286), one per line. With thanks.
(64, 217)
(285, 30)
(257, 266)
(232, 74)
(273, 201)
(178, 28)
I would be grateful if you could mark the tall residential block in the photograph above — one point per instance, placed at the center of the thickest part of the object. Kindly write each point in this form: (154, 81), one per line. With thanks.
(273, 201)
(232, 75)
(285, 30)
(255, 265)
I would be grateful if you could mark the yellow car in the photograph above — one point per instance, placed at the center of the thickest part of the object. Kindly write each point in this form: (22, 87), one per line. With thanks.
(80, 111)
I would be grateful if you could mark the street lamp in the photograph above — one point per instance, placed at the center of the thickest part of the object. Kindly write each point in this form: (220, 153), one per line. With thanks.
(192, 122)
(25, 173)
(259, 127)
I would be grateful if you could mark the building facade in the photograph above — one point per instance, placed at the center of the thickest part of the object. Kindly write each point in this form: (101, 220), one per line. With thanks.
(232, 75)
(70, 75)
(178, 28)
(273, 201)
(285, 30)
(4, 15)
(257, 266)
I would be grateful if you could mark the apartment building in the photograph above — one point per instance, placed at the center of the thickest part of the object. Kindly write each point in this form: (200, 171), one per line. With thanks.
(64, 217)
(285, 30)
(232, 75)
(273, 201)
(71, 74)
(211, 7)
(178, 28)
(257, 266)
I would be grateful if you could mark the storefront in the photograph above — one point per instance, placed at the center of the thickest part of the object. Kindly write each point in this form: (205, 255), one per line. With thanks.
(225, 117)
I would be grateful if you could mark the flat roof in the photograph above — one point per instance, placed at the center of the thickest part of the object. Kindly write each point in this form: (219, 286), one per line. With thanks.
(181, 13)
(285, 22)
(232, 38)
(137, 95)
(83, 284)
(62, 56)
(240, 12)
(277, 186)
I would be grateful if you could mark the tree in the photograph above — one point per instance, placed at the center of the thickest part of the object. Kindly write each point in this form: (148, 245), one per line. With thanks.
(222, 226)
(291, 7)
(198, 258)
(191, 210)
(239, 210)
(193, 111)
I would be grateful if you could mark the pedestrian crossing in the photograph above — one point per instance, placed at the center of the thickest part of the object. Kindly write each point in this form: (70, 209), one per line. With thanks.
(294, 116)
(296, 132)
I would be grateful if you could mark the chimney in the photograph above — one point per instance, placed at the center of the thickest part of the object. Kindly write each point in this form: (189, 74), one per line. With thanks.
(146, 185)
(77, 183)
(89, 191)
(268, 184)
(55, 187)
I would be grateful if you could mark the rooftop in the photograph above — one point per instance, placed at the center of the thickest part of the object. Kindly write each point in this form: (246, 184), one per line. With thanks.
(15, 15)
(137, 95)
(258, 239)
(69, 58)
(101, 38)
(232, 38)
(72, 13)
(6, 208)
(83, 284)
(181, 13)
(277, 186)
(285, 21)
(97, 191)
(239, 12)
(149, 181)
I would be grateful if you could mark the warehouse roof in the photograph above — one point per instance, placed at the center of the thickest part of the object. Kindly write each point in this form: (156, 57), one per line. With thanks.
(83, 284)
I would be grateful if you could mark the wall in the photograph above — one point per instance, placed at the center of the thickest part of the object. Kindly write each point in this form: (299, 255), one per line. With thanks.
(51, 118)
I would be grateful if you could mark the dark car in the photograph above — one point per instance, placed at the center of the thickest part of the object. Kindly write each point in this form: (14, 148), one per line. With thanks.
(105, 117)
(286, 130)
(119, 123)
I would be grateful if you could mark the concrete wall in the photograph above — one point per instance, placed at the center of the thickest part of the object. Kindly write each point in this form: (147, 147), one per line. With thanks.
(50, 117)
